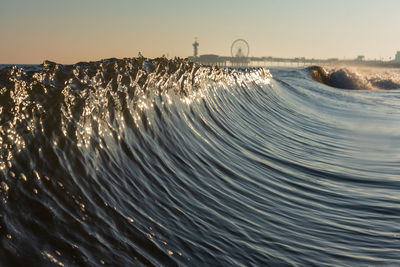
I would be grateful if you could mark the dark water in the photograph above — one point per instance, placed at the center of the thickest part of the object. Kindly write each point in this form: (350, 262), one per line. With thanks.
(155, 162)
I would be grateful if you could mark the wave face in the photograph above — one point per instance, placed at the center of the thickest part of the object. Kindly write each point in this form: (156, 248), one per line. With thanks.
(163, 162)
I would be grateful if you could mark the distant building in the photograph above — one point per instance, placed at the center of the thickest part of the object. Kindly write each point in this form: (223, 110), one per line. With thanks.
(397, 57)
(208, 59)
(360, 58)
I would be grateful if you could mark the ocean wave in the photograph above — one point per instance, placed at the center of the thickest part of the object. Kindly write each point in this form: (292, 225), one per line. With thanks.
(143, 162)
(358, 79)
(57, 100)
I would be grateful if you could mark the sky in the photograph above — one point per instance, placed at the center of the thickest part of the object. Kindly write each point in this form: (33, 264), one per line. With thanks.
(32, 31)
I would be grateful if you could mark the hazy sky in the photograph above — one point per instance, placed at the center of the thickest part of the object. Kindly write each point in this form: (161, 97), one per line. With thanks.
(71, 31)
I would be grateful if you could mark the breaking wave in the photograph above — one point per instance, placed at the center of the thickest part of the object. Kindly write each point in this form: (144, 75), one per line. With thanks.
(358, 79)
(163, 162)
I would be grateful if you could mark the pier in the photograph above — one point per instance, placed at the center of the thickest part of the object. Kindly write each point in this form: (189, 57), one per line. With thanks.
(240, 57)
(224, 61)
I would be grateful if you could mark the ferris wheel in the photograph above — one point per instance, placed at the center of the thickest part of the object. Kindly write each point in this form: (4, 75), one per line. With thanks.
(240, 48)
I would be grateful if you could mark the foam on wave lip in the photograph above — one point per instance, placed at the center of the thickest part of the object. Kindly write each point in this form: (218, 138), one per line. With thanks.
(356, 79)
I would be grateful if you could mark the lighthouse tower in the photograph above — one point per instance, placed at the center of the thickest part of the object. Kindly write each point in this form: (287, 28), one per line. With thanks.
(195, 47)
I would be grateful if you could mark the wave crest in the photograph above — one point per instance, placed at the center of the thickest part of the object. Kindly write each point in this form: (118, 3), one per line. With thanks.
(53, 101)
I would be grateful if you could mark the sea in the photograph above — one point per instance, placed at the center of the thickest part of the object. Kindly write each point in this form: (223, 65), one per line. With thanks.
(163, 162)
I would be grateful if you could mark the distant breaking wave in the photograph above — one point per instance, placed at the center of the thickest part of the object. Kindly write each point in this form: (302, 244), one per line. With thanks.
(150, 162)
(352, 79)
